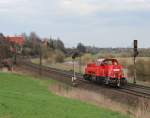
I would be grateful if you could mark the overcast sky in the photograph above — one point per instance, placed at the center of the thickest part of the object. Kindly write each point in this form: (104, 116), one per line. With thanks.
(102, 23)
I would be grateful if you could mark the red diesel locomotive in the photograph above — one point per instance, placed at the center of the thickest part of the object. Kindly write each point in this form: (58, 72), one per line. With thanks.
(106, 71)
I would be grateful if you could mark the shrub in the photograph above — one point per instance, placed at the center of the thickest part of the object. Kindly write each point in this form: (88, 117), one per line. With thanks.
(142, 69)
(59, 56)
(54, 56)
(86, 58)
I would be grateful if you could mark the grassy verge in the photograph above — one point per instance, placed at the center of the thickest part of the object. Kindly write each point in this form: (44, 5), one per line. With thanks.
(62, 66)
(26, 97)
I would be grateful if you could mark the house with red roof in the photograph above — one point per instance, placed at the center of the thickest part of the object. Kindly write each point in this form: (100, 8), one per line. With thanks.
(19, 40)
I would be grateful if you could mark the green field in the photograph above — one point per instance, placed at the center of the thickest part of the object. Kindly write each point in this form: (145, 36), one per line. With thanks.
(26, 97)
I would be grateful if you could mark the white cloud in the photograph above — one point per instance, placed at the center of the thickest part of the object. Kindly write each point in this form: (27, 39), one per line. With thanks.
(141, 1)
(77, 6)
(18, 9)
(9, 1)
(12, 5)
(65, 7)
(85, 7)
(12, 2)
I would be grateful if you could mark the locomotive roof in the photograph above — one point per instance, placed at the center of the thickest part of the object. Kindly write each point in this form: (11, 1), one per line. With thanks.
(107, 59)
(110, 59)
(102, 61)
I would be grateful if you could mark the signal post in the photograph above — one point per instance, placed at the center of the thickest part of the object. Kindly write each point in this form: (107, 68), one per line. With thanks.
(135, 50)
(74, 74)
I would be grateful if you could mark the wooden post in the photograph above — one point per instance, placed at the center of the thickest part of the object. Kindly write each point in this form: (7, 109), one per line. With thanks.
(15, 55)
(40, 69)
(80, 64)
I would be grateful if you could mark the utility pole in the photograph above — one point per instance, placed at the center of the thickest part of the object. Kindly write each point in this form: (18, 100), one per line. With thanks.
(74, 73)
(15, 54)
(80, 64)
(40, 69)
(135, 55)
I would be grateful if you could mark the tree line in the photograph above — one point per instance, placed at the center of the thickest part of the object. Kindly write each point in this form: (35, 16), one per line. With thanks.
(33, 43)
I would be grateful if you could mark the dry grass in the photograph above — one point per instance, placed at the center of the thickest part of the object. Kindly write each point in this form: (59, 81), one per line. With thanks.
(142, 69)
(62, 66)
(141, 111)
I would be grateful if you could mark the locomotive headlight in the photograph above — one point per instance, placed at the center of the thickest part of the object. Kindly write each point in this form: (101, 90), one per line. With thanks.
(116, 70)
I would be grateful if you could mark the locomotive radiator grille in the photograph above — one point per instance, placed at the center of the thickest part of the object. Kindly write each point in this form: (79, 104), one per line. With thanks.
(116, 75)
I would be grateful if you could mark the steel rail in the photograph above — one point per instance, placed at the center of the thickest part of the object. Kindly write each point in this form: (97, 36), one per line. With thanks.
(142, 91)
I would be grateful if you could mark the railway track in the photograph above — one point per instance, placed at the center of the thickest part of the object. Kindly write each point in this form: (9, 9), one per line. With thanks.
(133, 89)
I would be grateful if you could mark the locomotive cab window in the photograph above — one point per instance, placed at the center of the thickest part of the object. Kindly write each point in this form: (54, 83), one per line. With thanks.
(114, 63)
(110, 62)
(107, 62)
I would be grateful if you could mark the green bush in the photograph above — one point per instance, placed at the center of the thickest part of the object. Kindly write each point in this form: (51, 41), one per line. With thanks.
(54, 56)
(86, 58)
(59, 56)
